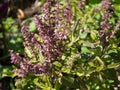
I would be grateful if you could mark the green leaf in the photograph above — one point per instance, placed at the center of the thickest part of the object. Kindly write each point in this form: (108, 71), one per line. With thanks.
(115, 65)
(65, 69)
(99, 68)
(48, 83)
(80, 74)
(88, 44)
(112, 51)
(85, 50)
(28, 52)
(67, 81)
(83, 35)
(7, 71)
(32, 27)
(57, 85)
(93, 35)
(58, 64)
(40, 85)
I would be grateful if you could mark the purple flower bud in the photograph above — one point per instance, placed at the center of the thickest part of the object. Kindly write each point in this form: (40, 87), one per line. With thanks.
(105, 25)
(116, 28)
(53, 33)
(15, 58)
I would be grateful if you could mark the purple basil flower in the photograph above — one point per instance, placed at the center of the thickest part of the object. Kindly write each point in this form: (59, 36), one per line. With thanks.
(106, 4)
(81, 4)
(15, 57)
(116, 28)
(105, 25)
(53, 34)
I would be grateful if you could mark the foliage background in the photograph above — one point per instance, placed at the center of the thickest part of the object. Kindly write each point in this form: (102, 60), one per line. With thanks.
(86, 64)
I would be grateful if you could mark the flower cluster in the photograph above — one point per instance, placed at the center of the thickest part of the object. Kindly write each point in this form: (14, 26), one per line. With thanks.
(25, 66)
(116, 28)
(53, 29)
(105, 25)
(42, 49)
(82, 3)
(106, 29)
